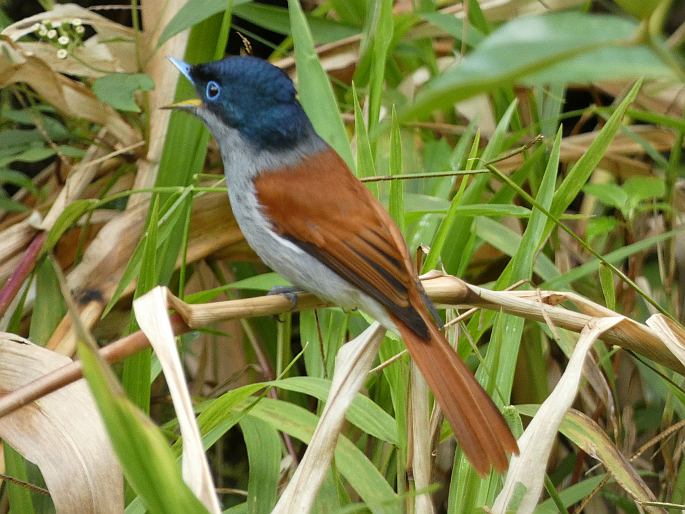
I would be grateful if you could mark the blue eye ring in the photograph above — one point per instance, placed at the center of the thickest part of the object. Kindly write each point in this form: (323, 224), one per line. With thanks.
(213, 90)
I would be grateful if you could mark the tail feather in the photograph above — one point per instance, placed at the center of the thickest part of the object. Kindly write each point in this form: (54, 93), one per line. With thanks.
(478, 425)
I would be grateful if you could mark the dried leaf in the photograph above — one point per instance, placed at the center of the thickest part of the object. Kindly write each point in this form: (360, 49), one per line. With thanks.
(62, 433)
(151, 314)
(69, 96)
(352, 365)
(671, 333)
(524, 481)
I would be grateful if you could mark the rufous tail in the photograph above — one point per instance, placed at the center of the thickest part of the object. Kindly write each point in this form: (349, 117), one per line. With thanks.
(478, 425)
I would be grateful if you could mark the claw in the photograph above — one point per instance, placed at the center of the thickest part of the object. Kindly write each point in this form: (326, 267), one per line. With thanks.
(290, 292)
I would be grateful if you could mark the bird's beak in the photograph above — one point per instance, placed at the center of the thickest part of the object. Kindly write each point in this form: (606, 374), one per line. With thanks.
(192, 103)
(183, 67)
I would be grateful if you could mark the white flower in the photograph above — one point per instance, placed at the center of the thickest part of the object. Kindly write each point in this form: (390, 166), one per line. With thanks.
(56, 24)
(63, 40)
(76, 22)
(80, 29)
(52, 34)
(62, 53)
(36, 27)
(42, 31)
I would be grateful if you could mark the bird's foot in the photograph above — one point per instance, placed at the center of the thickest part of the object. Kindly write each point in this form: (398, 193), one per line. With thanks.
(290, 292)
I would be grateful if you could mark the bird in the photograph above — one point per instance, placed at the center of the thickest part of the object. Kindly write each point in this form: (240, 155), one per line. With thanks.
(307, 216)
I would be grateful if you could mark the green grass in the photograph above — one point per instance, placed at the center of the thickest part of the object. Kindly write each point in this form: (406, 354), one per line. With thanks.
(429, 93)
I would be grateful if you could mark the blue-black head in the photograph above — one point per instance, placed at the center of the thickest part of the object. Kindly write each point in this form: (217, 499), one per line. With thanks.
(250, 95)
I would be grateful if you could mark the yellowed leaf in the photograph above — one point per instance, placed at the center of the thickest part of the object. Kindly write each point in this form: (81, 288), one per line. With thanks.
(525, 478)
(151, 314)
(61, 433)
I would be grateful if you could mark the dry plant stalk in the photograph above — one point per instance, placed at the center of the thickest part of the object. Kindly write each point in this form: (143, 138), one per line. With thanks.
(442, 289)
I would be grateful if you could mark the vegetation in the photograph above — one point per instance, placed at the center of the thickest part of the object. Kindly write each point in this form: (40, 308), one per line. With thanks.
(532, 149)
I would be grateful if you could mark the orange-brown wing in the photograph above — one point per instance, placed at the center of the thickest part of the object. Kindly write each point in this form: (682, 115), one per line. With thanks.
(323, 209)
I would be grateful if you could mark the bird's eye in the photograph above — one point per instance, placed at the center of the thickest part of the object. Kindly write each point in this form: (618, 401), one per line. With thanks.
(213, 90)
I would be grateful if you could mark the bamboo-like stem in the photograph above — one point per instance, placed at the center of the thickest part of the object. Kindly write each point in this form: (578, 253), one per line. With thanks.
(542, 306)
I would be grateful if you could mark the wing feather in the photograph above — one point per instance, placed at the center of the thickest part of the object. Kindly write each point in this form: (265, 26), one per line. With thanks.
(321, 207)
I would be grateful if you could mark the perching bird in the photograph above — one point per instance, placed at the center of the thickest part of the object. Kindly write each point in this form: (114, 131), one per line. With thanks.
(309, 219)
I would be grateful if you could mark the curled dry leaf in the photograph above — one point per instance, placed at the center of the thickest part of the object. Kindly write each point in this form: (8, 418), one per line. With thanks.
(151, 314)
(352, 364)
(62, 433)
(70, 97)
(524, 481)
(671, 333)
(64, 13)
(111, 49)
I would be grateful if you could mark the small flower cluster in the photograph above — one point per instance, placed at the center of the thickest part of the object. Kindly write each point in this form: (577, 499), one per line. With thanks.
(62, 35)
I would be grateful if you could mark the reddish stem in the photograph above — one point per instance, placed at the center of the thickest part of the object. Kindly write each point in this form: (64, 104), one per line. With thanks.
(23, 270)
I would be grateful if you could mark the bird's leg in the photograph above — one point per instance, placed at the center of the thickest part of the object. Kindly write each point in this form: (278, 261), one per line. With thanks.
(290, 292)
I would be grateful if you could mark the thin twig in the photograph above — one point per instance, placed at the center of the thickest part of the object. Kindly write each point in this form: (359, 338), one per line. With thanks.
(26, 485)
(410, 176)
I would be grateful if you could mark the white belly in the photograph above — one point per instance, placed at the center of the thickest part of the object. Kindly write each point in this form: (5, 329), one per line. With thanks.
(297, 266)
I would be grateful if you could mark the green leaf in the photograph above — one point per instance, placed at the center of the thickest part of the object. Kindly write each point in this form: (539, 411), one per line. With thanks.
(19, 179)
(136, 374)
(374, 53)
(396, 199)
(613, 257)
(49, 307)
(16, 467)
(610, 195)
(450, 223)
(600, 226)
(639, 189)
(606, 280)
(276, 19)
(264, 282)
(455, 27)
(557, 47)
(525, 259)
(641, 9)
(455, 228)
(220, 415)
(118, 89)
(363, 412)
(365, 160)
(12, 206)
(70, 215)
(192, 13)
(316, 92)
(581, 171)
(570, 495)
(350, 461)
(509, 242)
(149, 465)
(34, 153)
(264, 457)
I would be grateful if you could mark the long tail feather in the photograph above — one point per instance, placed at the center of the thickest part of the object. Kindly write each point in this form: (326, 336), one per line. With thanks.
(477, 423)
